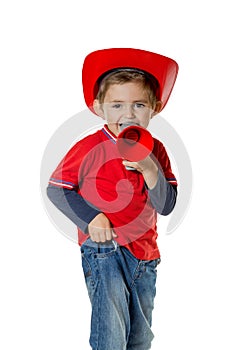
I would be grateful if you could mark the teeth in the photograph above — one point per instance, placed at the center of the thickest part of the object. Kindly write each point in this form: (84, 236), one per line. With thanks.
(125, 125)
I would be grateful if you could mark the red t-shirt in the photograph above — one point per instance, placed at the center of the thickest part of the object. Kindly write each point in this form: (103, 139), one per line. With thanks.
(93, 167)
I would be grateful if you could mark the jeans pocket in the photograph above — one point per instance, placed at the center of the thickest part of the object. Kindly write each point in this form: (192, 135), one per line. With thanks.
(153, 263)
(86, 267)
(105, 253)
(104, 250)
(90, 275)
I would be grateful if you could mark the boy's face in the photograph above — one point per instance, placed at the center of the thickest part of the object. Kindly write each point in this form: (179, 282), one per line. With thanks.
(126, 103)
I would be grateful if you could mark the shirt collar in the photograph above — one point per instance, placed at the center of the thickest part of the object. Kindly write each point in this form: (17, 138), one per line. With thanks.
(109, 134)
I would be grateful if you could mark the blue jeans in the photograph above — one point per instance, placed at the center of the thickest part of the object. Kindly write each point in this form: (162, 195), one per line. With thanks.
(121, 289)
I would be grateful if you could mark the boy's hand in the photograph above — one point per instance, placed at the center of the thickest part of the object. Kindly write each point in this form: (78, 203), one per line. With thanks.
(100, 229)
(147, 168)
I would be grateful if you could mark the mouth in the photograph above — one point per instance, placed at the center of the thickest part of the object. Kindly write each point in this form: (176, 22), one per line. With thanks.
(125, 125)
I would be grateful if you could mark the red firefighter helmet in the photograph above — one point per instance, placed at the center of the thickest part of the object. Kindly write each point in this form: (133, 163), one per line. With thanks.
(98, 63)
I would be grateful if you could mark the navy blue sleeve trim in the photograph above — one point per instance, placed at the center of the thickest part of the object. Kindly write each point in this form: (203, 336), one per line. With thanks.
(163, 195)
(74, 206)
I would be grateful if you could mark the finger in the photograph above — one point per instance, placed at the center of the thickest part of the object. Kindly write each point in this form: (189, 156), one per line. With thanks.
(109, 234)
(114, 235)
(126, 162)
(102, 236)
(130, 164)
(95, 237)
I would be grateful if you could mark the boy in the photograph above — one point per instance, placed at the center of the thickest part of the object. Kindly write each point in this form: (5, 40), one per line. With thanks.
(115, 208)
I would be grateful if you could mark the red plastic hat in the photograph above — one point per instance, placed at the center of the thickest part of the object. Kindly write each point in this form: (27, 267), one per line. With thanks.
(164, 69)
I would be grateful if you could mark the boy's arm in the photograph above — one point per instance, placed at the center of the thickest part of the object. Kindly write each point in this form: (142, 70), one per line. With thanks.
(162, 193)
(84, 215)
(70, 203)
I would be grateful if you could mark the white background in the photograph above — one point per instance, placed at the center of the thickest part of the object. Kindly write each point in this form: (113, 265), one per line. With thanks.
(43, 45)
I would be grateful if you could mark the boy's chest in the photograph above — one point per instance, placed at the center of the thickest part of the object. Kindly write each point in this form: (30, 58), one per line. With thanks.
(105, 180)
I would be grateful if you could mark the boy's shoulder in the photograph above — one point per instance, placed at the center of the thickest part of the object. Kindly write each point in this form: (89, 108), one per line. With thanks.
(158, 144)
(84, 144)
(89, 140)
(159, 150)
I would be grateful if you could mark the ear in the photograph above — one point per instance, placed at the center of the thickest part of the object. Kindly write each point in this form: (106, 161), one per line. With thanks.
(157, 108)
(98, 109)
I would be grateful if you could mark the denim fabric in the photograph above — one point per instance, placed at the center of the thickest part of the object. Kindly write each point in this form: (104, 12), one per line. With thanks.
(121, 289)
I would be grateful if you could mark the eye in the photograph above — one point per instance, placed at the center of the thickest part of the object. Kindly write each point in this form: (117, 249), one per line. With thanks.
(116, 106)
(139, 105)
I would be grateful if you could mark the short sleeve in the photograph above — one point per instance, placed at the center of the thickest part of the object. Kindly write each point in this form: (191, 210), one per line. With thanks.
(162, 157)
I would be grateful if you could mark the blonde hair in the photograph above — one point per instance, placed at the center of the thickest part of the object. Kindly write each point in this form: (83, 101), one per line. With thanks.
(122, 76)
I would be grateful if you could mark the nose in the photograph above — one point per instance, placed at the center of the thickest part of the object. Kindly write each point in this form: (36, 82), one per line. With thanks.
(129, 112)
